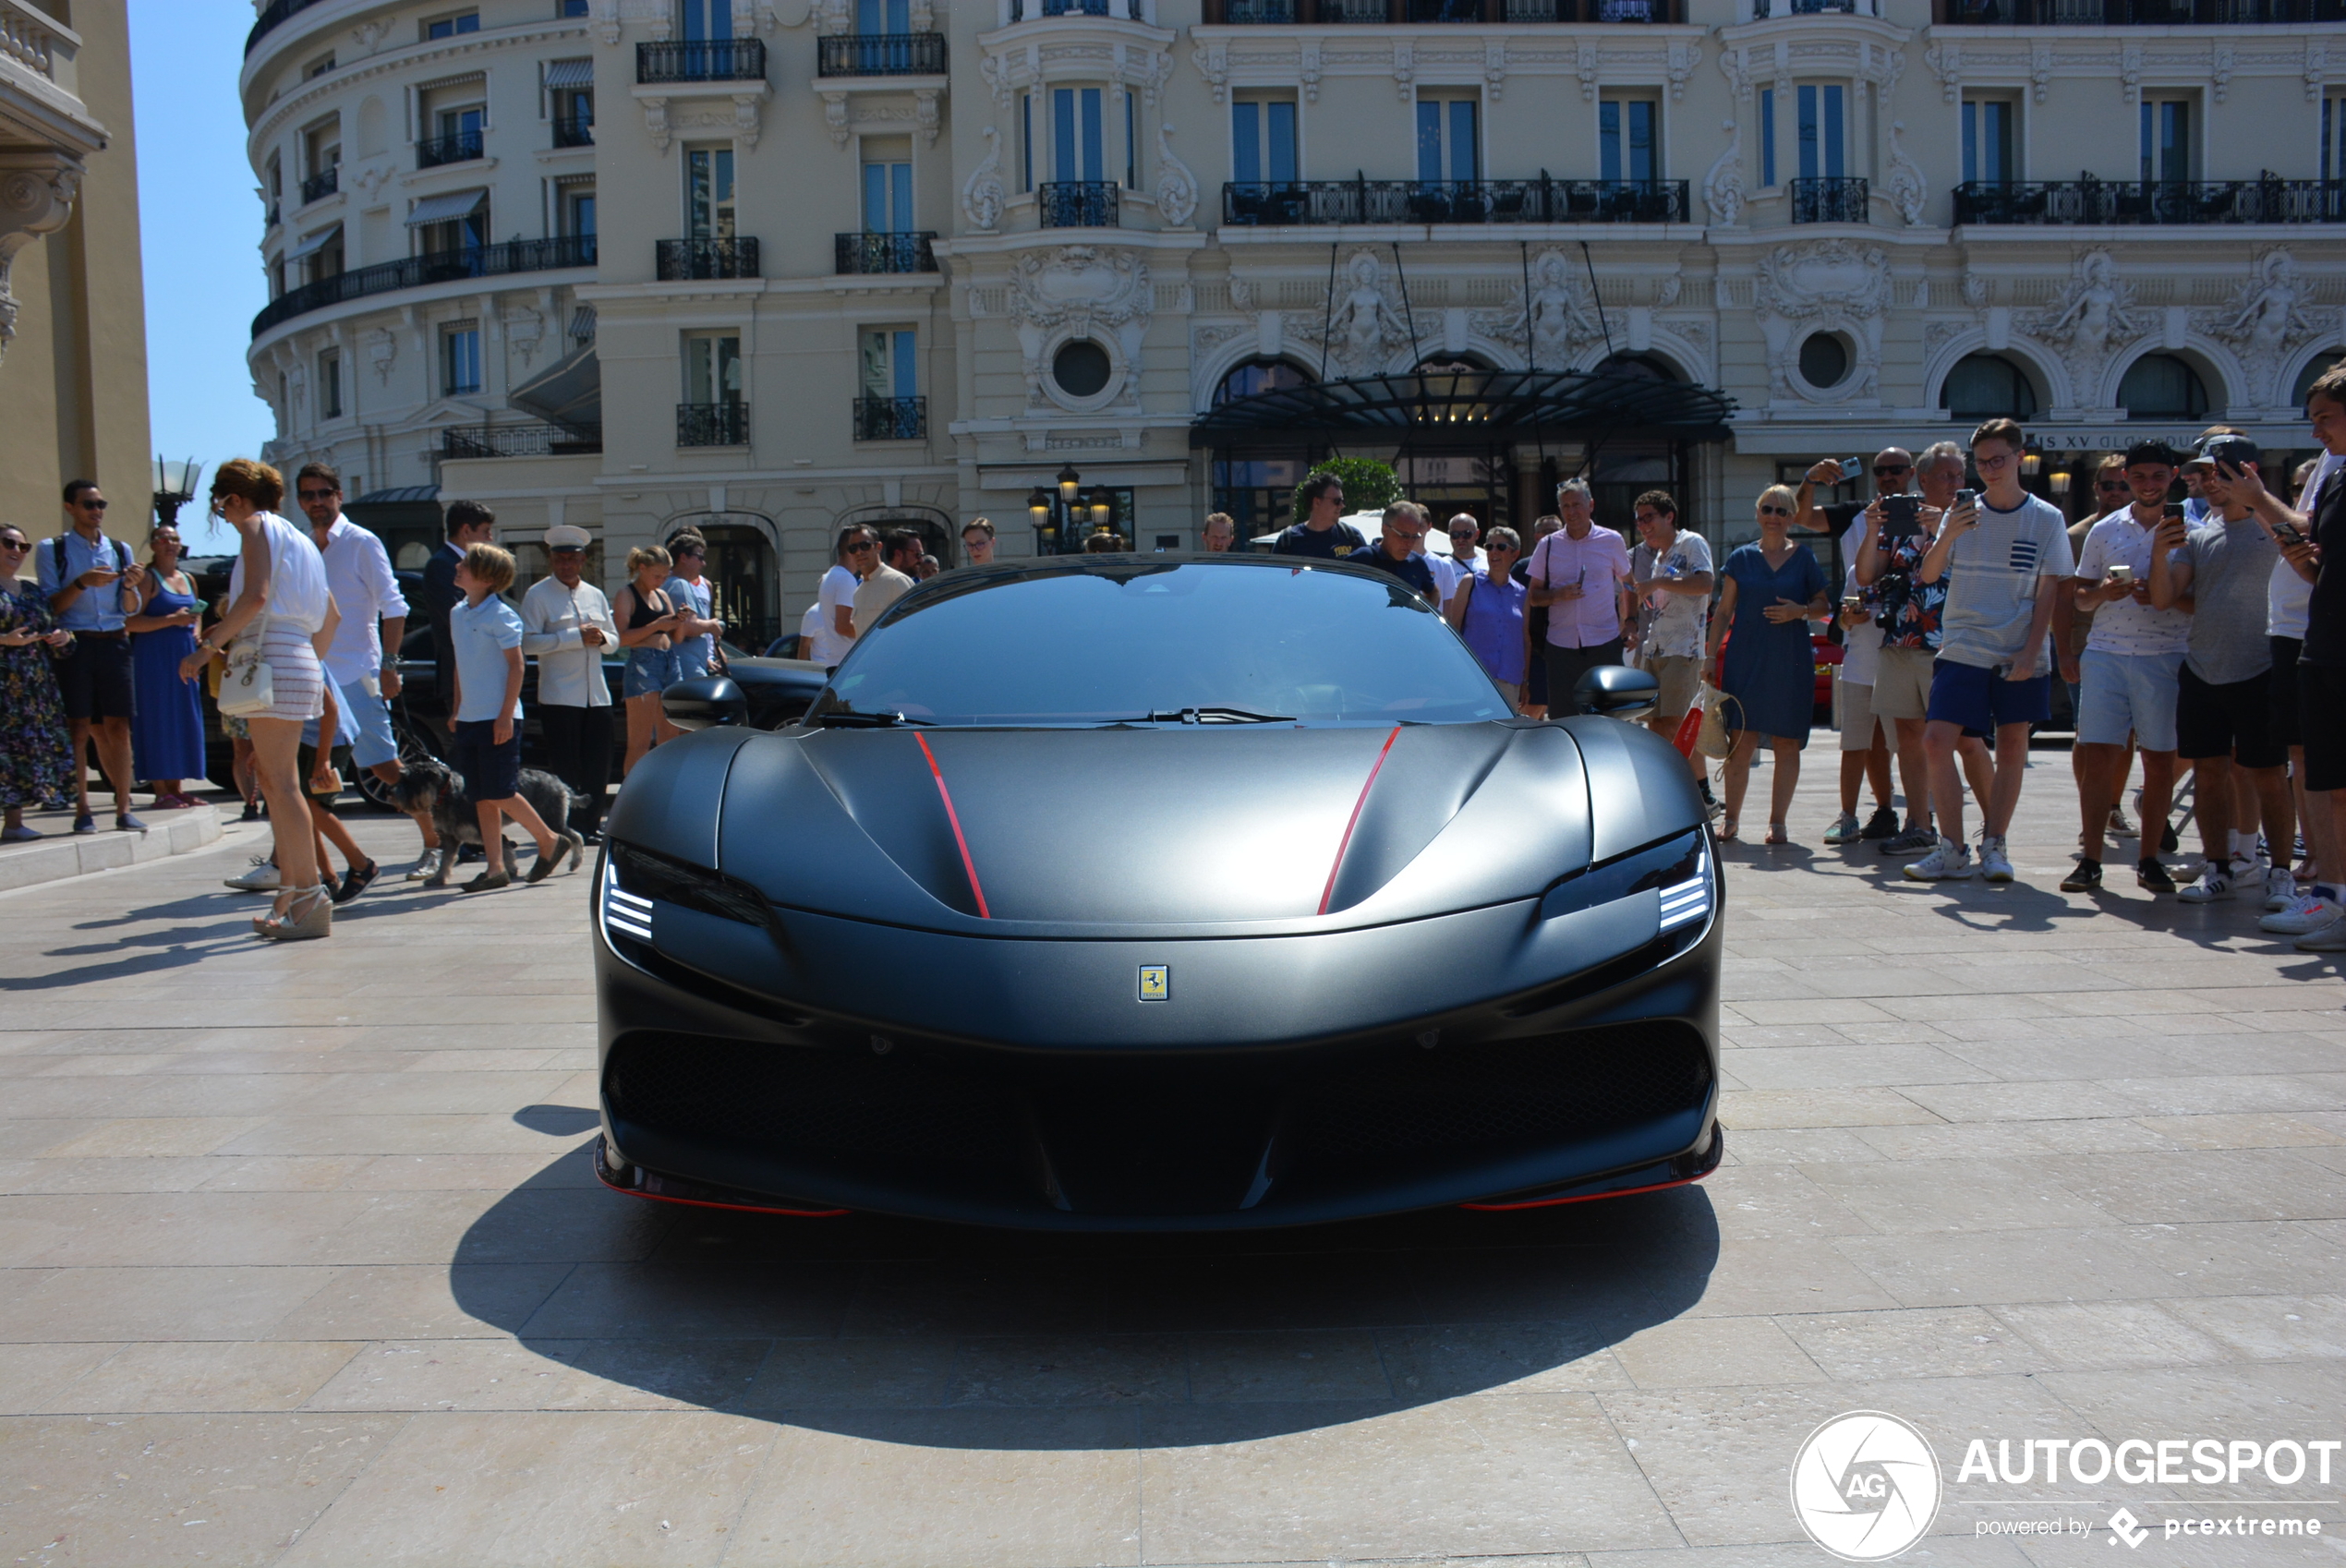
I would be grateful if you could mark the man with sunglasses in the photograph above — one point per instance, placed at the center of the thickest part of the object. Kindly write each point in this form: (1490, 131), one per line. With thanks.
(92, 587)
(1396, 551)
(1451, 570)
(1581, 575)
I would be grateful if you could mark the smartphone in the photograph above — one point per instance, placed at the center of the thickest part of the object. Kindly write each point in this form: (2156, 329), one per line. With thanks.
(2287, 534)
(2175, 510)
(1853, 468)
(1966, 498)
(1900, 515)
(2121, 574)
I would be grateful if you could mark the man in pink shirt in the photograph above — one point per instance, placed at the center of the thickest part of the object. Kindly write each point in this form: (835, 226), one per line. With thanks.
(1581, 573)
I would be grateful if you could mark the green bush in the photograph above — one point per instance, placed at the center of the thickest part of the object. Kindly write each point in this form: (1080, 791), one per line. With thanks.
(1368, 485)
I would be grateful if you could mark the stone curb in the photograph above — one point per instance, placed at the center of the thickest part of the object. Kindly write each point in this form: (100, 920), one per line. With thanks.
(65, 855)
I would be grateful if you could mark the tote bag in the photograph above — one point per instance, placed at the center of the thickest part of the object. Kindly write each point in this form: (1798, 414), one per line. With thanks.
(249, 686)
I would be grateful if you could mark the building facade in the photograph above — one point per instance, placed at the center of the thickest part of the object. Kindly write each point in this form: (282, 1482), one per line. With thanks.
(73, 344)
(767, 267)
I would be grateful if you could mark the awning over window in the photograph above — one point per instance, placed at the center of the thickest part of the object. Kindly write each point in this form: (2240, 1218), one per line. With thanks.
(570, 73)
(568, 392)
(1433, 406)
(312, 243)
(444, 208)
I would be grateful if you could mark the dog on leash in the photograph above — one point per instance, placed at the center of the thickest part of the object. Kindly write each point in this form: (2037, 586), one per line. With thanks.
(430, 787)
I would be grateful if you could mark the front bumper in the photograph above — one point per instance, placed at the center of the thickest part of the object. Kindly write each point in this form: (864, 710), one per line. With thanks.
(719, 1088)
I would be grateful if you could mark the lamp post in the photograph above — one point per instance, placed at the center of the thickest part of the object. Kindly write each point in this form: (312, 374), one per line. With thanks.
(175, 488)
(1063, 515)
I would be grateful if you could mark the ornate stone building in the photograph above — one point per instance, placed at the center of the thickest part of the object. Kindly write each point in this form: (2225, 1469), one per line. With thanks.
(922, 259)
(73, 344)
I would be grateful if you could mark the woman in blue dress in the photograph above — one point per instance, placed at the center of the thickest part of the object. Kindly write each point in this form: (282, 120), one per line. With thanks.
(166, 725)
(1773, 589)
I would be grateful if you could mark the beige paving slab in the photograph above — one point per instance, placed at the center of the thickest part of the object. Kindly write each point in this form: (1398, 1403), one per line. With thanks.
(1295, 1367)
(33, 1375)
(1713, 1352)
(1942, 1197)
(504, 1374)
(214, 1375)
(56, 1304)
(2110, 1335)
(423, 1301)
(1811, 1108)
(2271, 1328)
(1963, 1341)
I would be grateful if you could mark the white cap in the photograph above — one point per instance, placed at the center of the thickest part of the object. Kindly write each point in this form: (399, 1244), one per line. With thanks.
(568, 535)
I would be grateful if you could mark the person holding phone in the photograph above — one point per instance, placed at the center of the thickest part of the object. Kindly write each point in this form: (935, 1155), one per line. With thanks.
(645, 619)
(93, 586)
(2221, 572)
(2073, 626)
(2004, 555)
(2129, 668)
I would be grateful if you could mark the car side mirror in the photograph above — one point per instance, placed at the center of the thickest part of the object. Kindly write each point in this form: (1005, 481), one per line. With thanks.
(1617, 691)
(701, 704)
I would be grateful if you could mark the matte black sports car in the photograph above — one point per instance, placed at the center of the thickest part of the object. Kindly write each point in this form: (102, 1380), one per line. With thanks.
(1149, 892)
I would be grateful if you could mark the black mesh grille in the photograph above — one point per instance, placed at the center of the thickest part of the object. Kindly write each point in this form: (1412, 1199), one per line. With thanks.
(1411, 1105)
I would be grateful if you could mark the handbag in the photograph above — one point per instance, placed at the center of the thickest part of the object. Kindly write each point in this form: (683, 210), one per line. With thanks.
(249, 686)
(1716, 739)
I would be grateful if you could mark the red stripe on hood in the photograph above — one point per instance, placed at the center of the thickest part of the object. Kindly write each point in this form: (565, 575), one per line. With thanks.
(1329, 891)
(962, 844)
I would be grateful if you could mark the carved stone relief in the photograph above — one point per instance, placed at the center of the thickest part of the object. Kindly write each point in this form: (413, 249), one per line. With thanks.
(1830, 285)
(1077, 291)
(982, 198)
(1177, 190)
(2094, 316)
(1558, 321)
(2270, 315)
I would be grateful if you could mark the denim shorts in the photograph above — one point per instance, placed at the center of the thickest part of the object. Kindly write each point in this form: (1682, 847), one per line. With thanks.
(1984, 701)
(2127, 694)
(366, 716)
(650, 672)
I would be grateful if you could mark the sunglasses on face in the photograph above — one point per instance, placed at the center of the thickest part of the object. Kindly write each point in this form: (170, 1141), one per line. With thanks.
(14, 544)
(1893, 468)
(318, 495)
(91, 505)
(1775, 511)
(863, 548)
(1462, 533)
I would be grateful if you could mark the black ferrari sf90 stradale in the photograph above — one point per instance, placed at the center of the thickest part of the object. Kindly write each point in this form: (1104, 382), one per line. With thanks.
(1157, 892)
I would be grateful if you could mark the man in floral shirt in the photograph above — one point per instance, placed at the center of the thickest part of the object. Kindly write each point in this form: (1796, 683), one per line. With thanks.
(1908, 616)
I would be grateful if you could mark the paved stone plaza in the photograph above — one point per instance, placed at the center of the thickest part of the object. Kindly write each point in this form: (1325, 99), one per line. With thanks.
(304, 1264)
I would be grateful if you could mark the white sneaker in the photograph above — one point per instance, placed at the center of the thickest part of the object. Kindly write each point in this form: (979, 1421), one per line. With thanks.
(426, 867)
(1993, 862)
(1844, 829)
(2280, 889)
(2215, 882)
(1949, 861)
(2307, 912)
(2330, 939)
(261, 878)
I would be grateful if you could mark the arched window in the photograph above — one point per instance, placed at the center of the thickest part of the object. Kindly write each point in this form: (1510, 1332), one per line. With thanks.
(1984, 386)
(1260, 376)
(2311, 373)
(1637, 365)
(2160, 386)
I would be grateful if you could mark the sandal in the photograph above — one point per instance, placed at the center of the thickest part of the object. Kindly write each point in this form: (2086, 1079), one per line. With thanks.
(1727, 826)
(1777, 834)
(307, 913)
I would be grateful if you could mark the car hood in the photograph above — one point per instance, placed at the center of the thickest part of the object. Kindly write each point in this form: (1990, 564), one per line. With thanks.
(1149, 830)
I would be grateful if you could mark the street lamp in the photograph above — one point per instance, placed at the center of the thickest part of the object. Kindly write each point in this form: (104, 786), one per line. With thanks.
(1039, 502)
(1070, 483)
(1103, 508)
(2060, 482)
(175, 487)
(2029, 462)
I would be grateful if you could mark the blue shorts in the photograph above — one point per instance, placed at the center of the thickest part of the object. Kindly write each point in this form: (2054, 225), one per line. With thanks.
(1982, 700)
(650, 672)
(2128, 695)
(491, 772)
(365, 723)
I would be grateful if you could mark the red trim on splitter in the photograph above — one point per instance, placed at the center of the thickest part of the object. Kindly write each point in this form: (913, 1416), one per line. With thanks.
(712, 1203)
(1588, 1197)
(950, 815)
(1329, 891)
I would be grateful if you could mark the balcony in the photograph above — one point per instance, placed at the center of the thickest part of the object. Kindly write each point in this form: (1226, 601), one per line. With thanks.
(1129, 9)
(319, 186)
(707, 59)
(856, 253)
(574, 131)
(274, 16)
(1327, 13)
(1077, 204)
(891, 419)
(2138, 13)
(683, 261)
(274, 216)
(1828, 198)
(1541, 200)
(2269, 199)
(520, 441)
(462, 148)
(881, 54)
(712, 424)
(415, 272)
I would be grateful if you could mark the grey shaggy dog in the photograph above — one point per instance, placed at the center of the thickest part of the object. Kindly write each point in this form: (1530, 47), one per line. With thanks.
(429, 785)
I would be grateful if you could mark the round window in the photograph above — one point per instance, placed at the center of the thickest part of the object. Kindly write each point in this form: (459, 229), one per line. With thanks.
(1824, 360)
(1080, 368)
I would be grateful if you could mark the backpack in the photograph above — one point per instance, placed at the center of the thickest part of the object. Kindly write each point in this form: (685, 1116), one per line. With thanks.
(57, 557)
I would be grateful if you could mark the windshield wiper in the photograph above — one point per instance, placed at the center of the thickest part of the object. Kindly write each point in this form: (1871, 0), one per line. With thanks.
(854, 718)
(1218, 716)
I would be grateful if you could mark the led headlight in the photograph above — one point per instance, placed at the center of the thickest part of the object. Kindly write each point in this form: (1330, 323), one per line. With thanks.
(1678, 868)
(623, 912)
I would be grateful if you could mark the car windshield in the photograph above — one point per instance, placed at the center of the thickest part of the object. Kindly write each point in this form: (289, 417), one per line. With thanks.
(1222, 643)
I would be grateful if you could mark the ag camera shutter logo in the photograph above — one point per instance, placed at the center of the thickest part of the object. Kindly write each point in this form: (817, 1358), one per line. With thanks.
(1865, 1486)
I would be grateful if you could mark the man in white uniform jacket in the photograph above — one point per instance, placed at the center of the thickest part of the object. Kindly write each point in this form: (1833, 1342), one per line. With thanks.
(567, 625)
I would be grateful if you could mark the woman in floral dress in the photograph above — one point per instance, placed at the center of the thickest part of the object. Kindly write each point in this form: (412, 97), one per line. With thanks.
(36, 760)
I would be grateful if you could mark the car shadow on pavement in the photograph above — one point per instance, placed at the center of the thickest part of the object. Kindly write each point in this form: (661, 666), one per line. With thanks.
(952, 1336)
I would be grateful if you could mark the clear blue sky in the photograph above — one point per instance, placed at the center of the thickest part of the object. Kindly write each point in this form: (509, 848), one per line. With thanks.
(200, 227)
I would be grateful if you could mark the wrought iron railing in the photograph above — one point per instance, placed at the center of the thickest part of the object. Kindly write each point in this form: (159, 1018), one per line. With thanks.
(319, 186)
(891, 419)
(681, 259)
(881, 54)
(1288, 12)
(520, 441)
(2269, 199)
(415, 272)
(1077, 204)
(274, 216)
(1541, 200)
(712, 424)
(463, 147)
(2139, 13)
(1828, 198)
(1021, 9)
(907, 252)
(701, 59)
(575, 130)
